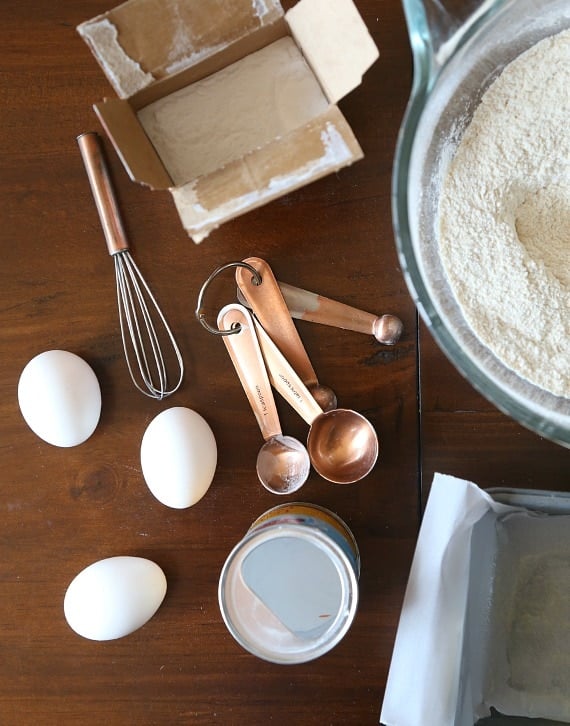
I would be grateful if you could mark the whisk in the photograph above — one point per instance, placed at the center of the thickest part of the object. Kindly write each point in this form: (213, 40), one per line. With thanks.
(139, 312)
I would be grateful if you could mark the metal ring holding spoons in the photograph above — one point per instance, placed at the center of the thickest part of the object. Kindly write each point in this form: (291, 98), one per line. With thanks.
(199, 312)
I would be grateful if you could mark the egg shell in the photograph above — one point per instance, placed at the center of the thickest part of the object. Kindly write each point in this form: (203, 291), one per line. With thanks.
(178, 457)
(114, 597)
(60, 398)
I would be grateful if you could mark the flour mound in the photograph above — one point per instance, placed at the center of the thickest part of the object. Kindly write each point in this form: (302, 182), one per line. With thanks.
(505, 217)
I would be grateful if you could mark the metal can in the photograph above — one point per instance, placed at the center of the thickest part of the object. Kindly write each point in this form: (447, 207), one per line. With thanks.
(288, 592)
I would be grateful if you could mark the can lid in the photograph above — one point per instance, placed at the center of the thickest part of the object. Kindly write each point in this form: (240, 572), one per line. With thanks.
(288, 594)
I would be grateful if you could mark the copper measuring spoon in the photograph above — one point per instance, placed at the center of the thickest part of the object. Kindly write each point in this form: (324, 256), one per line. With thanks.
(342, 444)
(315, 308)
(266, 301)
(283, 463)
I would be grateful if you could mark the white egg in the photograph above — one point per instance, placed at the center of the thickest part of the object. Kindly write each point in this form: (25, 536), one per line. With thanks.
(114, 597)
(60, 398)
(178, 457)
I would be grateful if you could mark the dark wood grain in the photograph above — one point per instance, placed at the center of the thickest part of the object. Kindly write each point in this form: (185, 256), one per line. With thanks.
(61, 509)
(464, 435)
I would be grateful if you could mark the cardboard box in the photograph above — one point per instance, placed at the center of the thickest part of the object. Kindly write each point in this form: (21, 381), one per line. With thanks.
(229, 105)
(484, 632)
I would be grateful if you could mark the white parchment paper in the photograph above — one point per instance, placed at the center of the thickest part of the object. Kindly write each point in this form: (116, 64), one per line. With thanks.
(486, 614)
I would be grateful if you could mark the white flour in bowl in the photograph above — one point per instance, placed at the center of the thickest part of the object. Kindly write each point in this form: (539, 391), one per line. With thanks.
(505, 217)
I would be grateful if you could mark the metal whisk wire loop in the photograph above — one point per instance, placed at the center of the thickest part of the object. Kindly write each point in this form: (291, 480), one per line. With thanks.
(138, 309)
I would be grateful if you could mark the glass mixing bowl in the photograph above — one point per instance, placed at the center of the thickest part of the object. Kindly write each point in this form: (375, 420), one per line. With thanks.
(459, 48)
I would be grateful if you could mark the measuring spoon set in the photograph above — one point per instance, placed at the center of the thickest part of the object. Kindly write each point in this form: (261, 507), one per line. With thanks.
(267, 353)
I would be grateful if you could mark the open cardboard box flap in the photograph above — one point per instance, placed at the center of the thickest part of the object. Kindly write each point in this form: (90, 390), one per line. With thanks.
(142, 41)
(150, 49)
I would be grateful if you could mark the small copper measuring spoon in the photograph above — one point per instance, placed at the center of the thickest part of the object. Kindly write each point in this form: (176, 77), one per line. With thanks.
(342, 444)
(283, 463)
(315, 308)
(266, 301)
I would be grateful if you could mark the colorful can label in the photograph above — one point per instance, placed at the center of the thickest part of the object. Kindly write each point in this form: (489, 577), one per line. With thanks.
(313, 515)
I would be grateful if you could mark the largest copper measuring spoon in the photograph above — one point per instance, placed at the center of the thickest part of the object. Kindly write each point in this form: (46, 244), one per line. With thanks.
(283, 463)
(342, 444)
(266, 300)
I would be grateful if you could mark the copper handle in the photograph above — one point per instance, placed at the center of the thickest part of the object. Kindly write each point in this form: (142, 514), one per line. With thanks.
(103, 193)
(245, 353)
(285, 380)
(315, 308)
(266, 301)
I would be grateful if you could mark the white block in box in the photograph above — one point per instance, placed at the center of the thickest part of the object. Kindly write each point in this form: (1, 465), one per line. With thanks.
(486, 616)
(339, 27)
(241, 108)
(268, 83)
(325, 145)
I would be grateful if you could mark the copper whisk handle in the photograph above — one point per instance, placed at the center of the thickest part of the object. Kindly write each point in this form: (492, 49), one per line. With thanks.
(98, 173)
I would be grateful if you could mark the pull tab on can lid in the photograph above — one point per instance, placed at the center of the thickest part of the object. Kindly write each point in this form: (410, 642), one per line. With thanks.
(288, 591)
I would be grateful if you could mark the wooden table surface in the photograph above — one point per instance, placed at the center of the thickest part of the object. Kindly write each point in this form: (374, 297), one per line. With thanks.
(61, 509)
